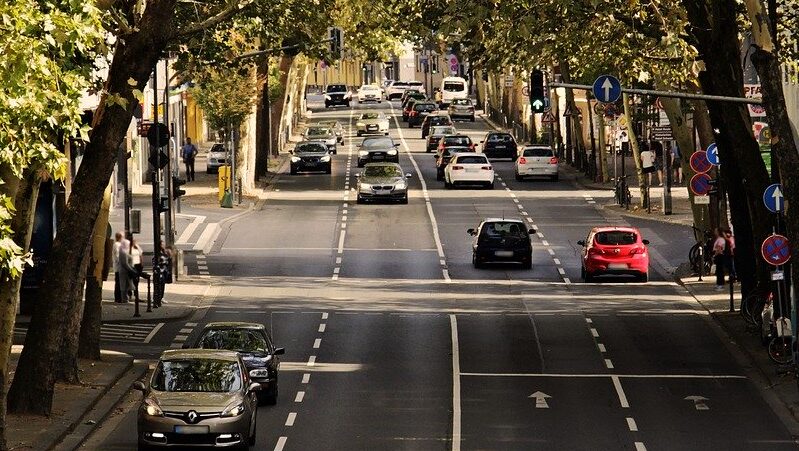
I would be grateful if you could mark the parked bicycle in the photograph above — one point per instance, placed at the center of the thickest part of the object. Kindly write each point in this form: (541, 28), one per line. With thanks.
(700, 256)
(622, 191)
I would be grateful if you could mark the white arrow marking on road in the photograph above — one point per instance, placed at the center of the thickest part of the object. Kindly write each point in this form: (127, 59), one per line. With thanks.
(699, 402)
(777, 195)
(607, 86)
(540, 400)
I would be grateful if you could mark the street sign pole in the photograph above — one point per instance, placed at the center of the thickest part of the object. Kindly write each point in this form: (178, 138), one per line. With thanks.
(667, 186)
(156, 187)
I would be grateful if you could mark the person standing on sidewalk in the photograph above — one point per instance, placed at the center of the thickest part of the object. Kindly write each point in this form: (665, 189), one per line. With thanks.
(189, 153)
(729, 241)
(126, 272)
(676, 163)
(119, 241)
(164, 269)
(135, 257)
(721, 256)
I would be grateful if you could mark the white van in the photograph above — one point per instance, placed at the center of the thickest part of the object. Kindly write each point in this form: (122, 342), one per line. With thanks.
(453, 88)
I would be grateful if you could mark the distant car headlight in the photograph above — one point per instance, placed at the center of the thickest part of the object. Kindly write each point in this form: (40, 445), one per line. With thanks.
(364, 187)
(392, 152)
(360, 124)
(295, 159)
(259, 372)
(233, 410)
(325, 159)
(328, 97)
(363, 153)
(152, 408)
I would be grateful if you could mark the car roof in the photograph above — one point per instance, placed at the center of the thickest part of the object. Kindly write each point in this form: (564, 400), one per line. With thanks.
(502, 220)
(316, 142)
(615, 229)
(234, 325)
(174, 354)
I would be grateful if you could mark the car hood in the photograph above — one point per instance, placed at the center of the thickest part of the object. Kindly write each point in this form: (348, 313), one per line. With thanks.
(379, 149)
(381, 180)
(310, 154)
(199, 401)
(217, 154)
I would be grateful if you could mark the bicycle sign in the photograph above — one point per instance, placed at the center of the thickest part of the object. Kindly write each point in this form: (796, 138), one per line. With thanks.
(699, 162)
(700, 184)
(776, 250)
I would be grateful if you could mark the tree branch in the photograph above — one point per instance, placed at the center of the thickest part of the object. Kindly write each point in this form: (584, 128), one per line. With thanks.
(234, 8)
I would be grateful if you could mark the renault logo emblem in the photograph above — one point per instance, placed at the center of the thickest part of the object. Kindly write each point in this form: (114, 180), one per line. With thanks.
(192, 416)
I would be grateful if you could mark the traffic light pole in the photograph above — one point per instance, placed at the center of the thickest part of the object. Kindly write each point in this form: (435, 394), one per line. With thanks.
(169, 232)
(156, 187)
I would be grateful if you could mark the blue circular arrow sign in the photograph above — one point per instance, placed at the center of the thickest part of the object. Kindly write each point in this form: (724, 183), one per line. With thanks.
(606, 88)
(713, 154)
(773, 198)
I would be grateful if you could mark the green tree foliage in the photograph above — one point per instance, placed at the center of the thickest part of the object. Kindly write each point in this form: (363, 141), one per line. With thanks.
(226, 95)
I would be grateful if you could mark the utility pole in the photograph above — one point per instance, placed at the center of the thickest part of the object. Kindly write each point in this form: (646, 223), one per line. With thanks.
(169, 231)
(156, 187)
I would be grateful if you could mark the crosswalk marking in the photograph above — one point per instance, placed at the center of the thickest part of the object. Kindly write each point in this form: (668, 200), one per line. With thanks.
(128, 332)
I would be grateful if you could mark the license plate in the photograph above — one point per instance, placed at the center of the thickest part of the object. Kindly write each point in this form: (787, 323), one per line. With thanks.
(503, 253)
(499, 147)
(617, 266)
(191, 430)
(472, 170)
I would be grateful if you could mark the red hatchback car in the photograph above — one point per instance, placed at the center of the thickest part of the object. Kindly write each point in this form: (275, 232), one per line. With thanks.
(615, 251)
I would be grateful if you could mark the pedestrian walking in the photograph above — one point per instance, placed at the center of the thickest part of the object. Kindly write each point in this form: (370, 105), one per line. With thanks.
(119, 241)
(676, 163)
(722, 256)
(126, 272)
(189, 152)
(163, 268)
(729, 241)
(657, 148)
(135, 257)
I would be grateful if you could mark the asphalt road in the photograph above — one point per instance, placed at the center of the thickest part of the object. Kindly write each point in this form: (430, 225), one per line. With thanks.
(395, 342)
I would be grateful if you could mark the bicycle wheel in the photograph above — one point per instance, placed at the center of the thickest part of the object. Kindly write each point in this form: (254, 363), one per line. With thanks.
(779, 350)
(694, 257)
(749, 305)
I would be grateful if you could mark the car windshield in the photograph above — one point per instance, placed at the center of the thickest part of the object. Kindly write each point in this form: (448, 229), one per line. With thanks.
(538, 152)
(241, 340)
(399, 84)
(417, 84)
(382, 171)
(417, 96)
(442, 130)
(472, 160)
(616, 238)
(500, 229)
(336, 88)
(197, 375)
(457, 141)
(440, 120)
(217, 148)
(377, 143)
(461, 102)
(369, 88)
(370, 116)
(318, 132)
(309, 148)
(424, 107)
(331, 124)
(453, 86)
(499, 138)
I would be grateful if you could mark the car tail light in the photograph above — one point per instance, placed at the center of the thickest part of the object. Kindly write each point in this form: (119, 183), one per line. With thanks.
(553, 160)
(486, 168)
(441, 147)
(471, 109)
(471, 146)
(522, 160)
(457, 168)
(638, 250)
(413, 113)
(595, 251)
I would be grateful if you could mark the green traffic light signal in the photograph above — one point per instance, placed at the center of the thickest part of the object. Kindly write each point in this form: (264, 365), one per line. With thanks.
(537, 91)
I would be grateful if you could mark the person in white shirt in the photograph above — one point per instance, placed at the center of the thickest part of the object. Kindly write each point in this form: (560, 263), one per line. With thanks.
(119, 241)
(135, 257)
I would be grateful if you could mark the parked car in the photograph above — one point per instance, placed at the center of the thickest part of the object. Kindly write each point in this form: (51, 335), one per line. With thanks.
(197, 397)
(419, 111)
(372, 124)
(369, 93)
(435, 119)
(436, 133)
(336, 127)
(377, 149)
(469, 169)
(536, 160)
(614, 251)
(322, 134)
(253, 342)
(382, 181)
(216, 158)
(337, 95)
(461, 109)
(499, 145)
(502, 240)
(310, 156)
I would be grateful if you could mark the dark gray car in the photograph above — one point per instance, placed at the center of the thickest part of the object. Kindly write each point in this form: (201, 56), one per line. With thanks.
(382, 181)
(310, 156)
(377, 150)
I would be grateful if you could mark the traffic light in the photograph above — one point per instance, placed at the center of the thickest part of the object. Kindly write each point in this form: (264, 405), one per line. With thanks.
(163, 205)
(335, 36)
(537, 92)
(176, 184)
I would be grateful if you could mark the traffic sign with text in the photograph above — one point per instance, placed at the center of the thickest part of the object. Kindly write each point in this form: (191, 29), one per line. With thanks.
(606, 88)
(776, 250)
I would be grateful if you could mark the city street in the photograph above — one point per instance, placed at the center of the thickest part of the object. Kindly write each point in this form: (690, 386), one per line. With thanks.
(394, 341)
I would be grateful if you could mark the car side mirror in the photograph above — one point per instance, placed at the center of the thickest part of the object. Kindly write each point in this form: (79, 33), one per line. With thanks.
(646, 242)
(253, 387)
(139, 385)
(581, 242)
(408, 175)
(280, 351)
(532, 231)
(472, 232)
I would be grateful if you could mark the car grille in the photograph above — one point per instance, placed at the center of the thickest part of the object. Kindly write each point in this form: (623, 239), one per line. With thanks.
(184, 416)
(310, 159)
(382, 187)
(371, 127)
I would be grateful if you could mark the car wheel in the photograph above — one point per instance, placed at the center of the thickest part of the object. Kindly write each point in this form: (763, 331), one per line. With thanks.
(360, 164)
(490, 185)
(554, 178)
(359, 200)
(144, 447)
(359, 134)
(589, 277)
(519, 178)
(410, 124)
(471, 119)
(582, 273)
(404, 200)
(527, 264)
(329, 170)
(644, 277)
(447, 184)
(293, 170)
(207, 170)
(475, 262)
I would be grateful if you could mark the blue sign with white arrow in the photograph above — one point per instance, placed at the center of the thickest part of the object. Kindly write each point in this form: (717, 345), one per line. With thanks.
(606, 88)
(713, 154)
(773, 198)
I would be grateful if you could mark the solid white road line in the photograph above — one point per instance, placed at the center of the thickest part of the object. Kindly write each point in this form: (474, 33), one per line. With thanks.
(306, 378)
(300, 396)
(341, 242)
(557, 261)
(153, 332)
(317, 343)
(631, 425)
(620, 392)
(189, 230)
(322, 327)
(281, 442)
(291, 418)
(610, 375)
(456, 386)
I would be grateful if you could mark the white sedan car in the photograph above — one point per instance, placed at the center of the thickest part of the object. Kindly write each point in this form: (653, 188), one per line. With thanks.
(537, 160)
(469, 169)
(372, 124)
(370, 93)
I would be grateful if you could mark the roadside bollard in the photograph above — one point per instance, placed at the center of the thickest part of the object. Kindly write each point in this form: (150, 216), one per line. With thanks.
(149, 298)
(732, 304)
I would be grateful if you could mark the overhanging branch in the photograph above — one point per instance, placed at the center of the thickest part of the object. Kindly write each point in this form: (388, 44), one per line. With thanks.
(234, 8)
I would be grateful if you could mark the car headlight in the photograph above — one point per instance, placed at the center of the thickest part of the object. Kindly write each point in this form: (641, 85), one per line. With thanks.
(152, 408)
(233, 410)
(325, 159)
(364, 187)
(392, 152)
(363, 153)
(328, 98)
(259, 372)
(295, 159)
(360, 124)
(400, 185)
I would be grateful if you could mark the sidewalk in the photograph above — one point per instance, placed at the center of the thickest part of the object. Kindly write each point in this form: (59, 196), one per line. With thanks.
(75, 407)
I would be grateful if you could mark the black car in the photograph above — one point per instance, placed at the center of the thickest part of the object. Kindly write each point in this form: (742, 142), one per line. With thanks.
(419, 111)
(436, 133)
(411, 92)
(337, 95)
(417, 96)
(502, 240)
(377, 149)
(310, 156)
(433, 120)
(499, 145)
(253, 343)
(443, 156)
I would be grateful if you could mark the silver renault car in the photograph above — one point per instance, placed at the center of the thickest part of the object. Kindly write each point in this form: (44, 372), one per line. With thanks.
(198, 398)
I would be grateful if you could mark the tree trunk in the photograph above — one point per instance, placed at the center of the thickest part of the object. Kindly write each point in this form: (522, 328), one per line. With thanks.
(67, 360)
(89, 342)
(134, 58)
(261, 131)
(279, 106)
(25, 193)
(639, 170)
(603, 155)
